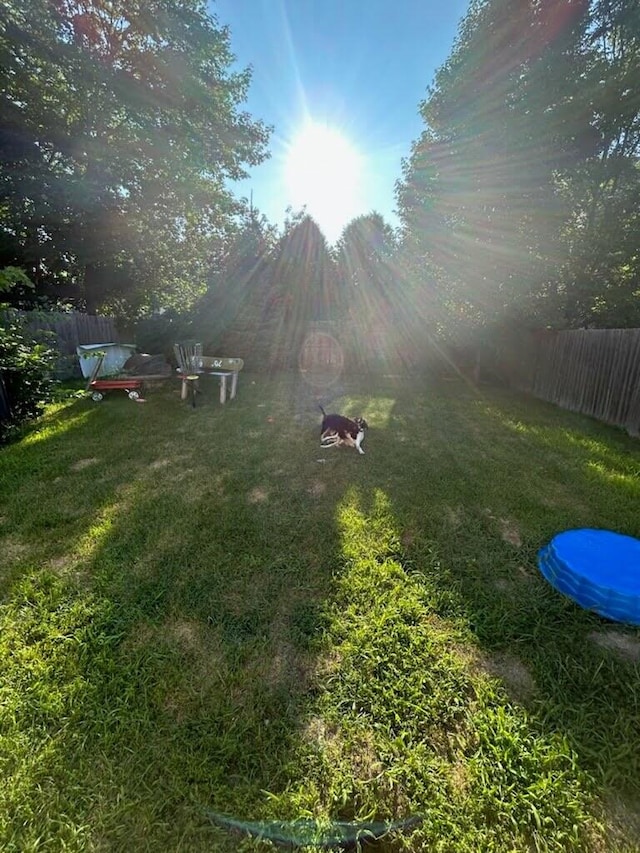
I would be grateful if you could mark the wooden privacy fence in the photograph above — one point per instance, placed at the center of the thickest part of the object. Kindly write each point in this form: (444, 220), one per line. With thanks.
(74, 329)
(592, 371)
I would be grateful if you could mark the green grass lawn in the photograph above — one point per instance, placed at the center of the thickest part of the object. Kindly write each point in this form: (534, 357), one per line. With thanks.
(201, 609)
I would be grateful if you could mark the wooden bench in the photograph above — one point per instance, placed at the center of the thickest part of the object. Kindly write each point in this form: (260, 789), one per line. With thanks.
(222, 367)
(192, 365)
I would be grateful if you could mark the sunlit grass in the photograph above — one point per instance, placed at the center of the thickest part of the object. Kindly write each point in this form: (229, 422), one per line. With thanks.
(203, 609)
(52, 427)
(376, 410)
(101, 527)
(408, 723)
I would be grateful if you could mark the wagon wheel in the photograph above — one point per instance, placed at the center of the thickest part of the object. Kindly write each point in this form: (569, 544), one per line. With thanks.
(133, 395)
(97, 396)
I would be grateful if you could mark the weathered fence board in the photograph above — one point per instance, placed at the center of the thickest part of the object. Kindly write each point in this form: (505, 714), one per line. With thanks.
(592, 371)
(74, 329)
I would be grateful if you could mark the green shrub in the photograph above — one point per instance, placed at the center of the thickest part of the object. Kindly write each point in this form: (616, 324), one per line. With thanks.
(26, 364)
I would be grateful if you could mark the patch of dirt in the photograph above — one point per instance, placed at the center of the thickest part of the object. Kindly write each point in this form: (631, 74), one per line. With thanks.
(193, 638)
(186, 633)
(257, 495)
(508, 529)
(327, 665)
(159, 463)
(359, 752)
(81, 464)
(316, 489)
(204, 663)
(624, 645)
(59, 565)
(177, 706)
(517, 679)
(320, 734)
(177, 458)
(557, 496)
(510, 532)
(183, 474)
(623, 819)
(140, 635)
(459, 776)
(11, 549)
(286, 666)
(364, 758)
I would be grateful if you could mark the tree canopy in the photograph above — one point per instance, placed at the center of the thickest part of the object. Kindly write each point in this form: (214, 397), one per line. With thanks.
(122, 128)
(520, 198)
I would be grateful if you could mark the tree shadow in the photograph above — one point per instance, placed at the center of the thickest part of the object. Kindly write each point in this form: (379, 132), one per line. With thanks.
(505, 473)
(194, 583)
(201, 575)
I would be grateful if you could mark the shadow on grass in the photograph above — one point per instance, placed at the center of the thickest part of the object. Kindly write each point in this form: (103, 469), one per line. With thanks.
(485, 480)
(172, 638)
(173, 646)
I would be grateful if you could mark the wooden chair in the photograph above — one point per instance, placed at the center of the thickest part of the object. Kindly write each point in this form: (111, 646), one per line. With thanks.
(186, 354)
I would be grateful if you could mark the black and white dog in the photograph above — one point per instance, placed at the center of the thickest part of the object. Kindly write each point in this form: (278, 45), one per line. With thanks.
(338, 430)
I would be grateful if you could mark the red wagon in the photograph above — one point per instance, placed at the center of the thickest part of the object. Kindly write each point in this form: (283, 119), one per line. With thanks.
(131, 385)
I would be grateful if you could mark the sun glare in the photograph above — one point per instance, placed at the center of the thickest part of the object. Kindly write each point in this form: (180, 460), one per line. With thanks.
(323, 171)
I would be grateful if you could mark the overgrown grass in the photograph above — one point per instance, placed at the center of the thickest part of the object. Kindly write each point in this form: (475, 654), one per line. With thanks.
(202, 609)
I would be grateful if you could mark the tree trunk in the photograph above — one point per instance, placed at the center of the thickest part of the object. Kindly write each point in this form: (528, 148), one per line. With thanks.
(91, 287)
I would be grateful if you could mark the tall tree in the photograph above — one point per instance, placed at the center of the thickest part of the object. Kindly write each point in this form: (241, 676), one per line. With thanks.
(601, 274)
(123, 127)
(372, 290)
(495, 199)
(303, 286)
(365, 250)
(233, 307)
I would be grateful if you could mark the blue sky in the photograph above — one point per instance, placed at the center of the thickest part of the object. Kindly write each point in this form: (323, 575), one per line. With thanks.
(341, 82)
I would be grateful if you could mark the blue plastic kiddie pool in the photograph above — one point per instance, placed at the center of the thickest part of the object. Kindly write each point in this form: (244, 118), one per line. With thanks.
(598, 569)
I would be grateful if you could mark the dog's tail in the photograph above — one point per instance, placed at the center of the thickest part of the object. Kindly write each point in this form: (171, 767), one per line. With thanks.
(322, 410)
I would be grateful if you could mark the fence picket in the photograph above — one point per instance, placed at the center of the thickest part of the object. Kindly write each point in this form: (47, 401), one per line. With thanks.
(592, 371)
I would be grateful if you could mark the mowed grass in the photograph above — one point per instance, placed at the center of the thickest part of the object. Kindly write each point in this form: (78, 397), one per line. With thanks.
(201, 609)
